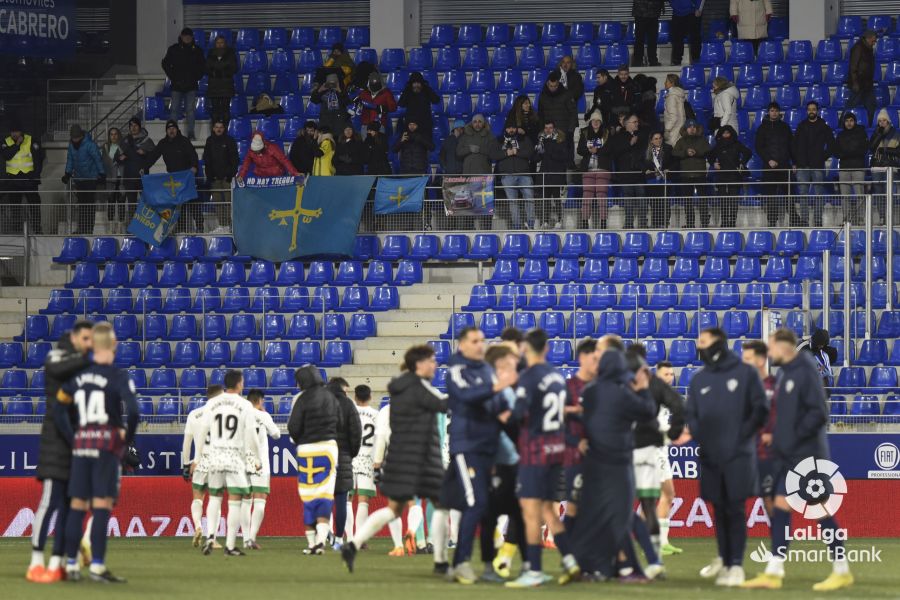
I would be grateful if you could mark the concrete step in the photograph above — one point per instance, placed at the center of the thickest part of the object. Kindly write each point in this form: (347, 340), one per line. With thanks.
(405, 328)
(33, 292)
(392, 343)
(378, 357)
(352, 372)
(411, 316)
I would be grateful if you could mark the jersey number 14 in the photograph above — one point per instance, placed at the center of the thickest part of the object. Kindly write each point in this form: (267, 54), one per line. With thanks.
(91, 408)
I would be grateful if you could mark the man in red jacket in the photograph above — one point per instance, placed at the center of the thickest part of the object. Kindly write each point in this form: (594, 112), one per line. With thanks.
(267, 158)
(377, 102)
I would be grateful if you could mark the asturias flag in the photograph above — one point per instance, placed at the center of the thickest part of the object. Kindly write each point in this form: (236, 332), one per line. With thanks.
(160, 205)
(399, 195)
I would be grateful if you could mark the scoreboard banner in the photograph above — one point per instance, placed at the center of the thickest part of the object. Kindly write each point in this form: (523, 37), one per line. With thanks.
(43, 28)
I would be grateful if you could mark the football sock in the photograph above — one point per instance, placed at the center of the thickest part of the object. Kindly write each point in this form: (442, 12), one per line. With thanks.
(55, 562)
(37, 559)
(213, 514)
(246, 516)
(86, 534)
(322, 531)
(233, 521)
(197, 514)
(395, 527)
(639, 528)
(348, 526)
(429, 513)
(420, 530)
(455, 516)
(664, 532)
(73, 534)
(98, 535)
(534, 556)
(439, 534)
(362, 513)
(376, 521)
(310, 537)
(840, 565)
(562, 543)
(414, 518)
(259, 511)
(781, 520)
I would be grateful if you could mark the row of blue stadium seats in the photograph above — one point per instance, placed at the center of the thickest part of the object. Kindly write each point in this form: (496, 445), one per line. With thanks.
(143, 274)
(864, 408)
(746, 76)
(278, 37)
(211, 300)
(212, 327)
(188, 249)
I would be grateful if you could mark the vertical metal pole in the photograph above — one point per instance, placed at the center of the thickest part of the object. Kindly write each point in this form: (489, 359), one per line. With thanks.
(869, 259)
(826, 290)
(848, 297)
(889, 226)
(202, 327)
(453, 341)
(806, 304)
(27, 252)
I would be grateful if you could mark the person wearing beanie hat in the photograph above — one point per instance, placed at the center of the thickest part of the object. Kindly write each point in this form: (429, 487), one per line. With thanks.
(861, 74)
(596, 166)
(413, 147)
(851, 145)
(450, 163)
(184, 65)
(221, 65)
(773, 146)
(377, 147)
(339, 59)
(513, 155)
(178, 154)
(691, 151)
(266, 158)
(826, 355)
(136, 147)
(220, 163)
(84, 166)
(885, 147)
(333, 100)
(24, 158)
(417, 98)
(304, 148)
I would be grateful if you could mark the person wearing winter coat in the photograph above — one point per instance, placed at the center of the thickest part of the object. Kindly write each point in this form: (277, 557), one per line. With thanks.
(303, 149)
(349, 438)
(554, 158)
(111, 152)
(476, 147)
(752, 19)
(691, 152)
(184, 65)
(603, 97)
(339, 59)
(413, 466)
(647, 105)
(673, 112)
(221, 65)
(725, 103)
(627, 148)
(773, 146)
(525, 119)
(220, 162)
(557, 104)
(851, 145)
(333, 102)
(658, 161)
(728, 159)
(135, 149)
(24, 157)
(178, 154)
(450, 162)
(377, 151)
(266, 158)
(885, 147)
(350, 154)
(513, 155)
(646, 31)
(412, 148)
(686, 23)
(417, 98)
(322, 164)
(596, 169)
(84, 166)
(813, 145)
(861, 74)
(377, 102)
(625, 94)
(569, 77)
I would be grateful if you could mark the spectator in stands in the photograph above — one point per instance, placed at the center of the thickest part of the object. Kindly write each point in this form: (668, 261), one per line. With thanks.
(450, 162)
(333, 101)
(825, 355)
(304, 147)
(135, 160)
(110, 152)
(728, 159)
(646, 30)
(773, 145)
(813, 145)
(24, 158)
(266, 158)
(350, 154)
(377, 151)
(377, 102)
(84, 167)
(322, 164)
(221, 65)
(885, 147)
(596, 167)
(178, 154)
(476, 147)
(413, 148)
(417, 98)
(524, 118)
(658, 161)
(557, 104)
(628, 148)
(339, 59)
(691, 152)
(184, 65)
(625, 95)
(725, 104)
(686, 23)
(264, 105)
(673, 112)
(851, 145)
(647, 105)
(752, 19)
(603, 96)
(569, 77)
(220, 163)
(861, 75)
(552, 154)
(513, 156)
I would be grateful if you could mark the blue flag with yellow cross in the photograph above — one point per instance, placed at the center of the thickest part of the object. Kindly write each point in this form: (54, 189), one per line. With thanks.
(399, 195)
(160, 205)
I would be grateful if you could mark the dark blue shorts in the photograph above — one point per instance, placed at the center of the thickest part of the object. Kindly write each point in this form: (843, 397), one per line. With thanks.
(766, 468)
(95, 477)
(539, 481)
(779, 479)
(573, 483)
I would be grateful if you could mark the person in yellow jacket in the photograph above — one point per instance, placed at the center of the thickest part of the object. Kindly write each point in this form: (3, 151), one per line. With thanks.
(324, 155)
(24, 159)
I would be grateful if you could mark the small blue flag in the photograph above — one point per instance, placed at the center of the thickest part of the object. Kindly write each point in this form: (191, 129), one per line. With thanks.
(399, 195)
(169, 189)
(153, 225)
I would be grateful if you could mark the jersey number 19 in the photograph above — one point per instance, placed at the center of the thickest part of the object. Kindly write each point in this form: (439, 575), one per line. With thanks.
(227, 423)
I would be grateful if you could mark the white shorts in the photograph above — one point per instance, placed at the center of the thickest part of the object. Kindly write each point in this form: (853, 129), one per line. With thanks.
(199, 480)
(235, 483)
(646, 472)
(260, 483)
(364, 484)
(665, 468)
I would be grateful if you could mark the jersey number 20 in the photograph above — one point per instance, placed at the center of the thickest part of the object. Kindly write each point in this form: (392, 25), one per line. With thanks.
(91, 407)
(554, 405)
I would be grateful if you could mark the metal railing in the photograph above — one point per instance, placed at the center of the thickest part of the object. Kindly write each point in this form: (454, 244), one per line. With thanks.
(86, 102)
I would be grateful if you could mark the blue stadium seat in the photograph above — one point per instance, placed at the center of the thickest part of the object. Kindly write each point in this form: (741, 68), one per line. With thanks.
(524, 321)
(565, 270)
(682, 352)
(655, 269)
(246, 354)
(193, 381)
(559, 352)
(354, 299)
(884, 378)
(588, 56)
(143, 275)
(572, 296)
(543, 296)
(469, 34)
(350, 272)
(177, 300)
(452, 82)
(447, 59)
(187, 354)
(673, 324)
(132, 249)
(668, 243)
(641, 325)
(849, 26)
(492, 324)
(124, 326)
(602, 296)
(728, 243)
(872, 352)
(20, 406)
(255, 63)
(255, 378)
(545, 245)
(283, 378)
(769, 53)
(246, 39)
(320, 272)
(524, 34)
(712, 53)
(157, 354)
(697, 243)
(535, 270)
(746, 269)
(703, 319)
(799, 52)
(118, 301)
(366, 247)
(692, 76)
(11, 355)
(808, 74)
(476, 59)
(624, 269)
(808, 268)
(488, 102)
(380, 272)
(265, 299)
(362, 325)
(458, 322)
(237, 299)
(632, 296)
(790, 243)
(219, 249)
(663, 297)
(553, 322)
(425, 247)
(788, 295)
(635, 244)
(441, 35)
(736, 323)
(778, 268)
(865, 406)
(687, 268)
(163, 252)
(749, 75)
(515, 245)
(741, 52)
(357, 37)
(329, 36)
(273, 326)
(616, 54)
(85, 275)
(850, 380)
(609, 32)
(819, 241)
(395, 247)
(301, 327)
(37, 327)
(384, 298)
(276, 354)
(60, 301)
(888, 325)
(74, 249)
(781, 75)
(202, 275)
(553, 33)
(408, 272)
(725, 296)
(308, 60)
(714, 270)
(323, 299)
(89, 301)
(103, 249)
(605, 244)
(420, 59)
(175, 274)
(207, 300)
(759, 243)
(231, 274)
(156, 327)
(758, 98)
(289, 273)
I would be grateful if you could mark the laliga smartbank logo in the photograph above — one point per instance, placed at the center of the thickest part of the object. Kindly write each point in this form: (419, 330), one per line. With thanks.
(815, 489)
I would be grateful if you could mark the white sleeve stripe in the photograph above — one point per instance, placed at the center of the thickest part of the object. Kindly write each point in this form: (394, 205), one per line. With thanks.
(456, 376)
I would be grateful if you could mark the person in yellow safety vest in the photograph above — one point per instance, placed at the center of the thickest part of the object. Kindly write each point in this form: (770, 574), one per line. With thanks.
(24, 158)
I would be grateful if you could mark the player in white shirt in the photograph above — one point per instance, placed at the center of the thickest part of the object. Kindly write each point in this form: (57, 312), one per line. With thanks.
(363, 464)
(195, 469)
(232, 452)
(253, 509)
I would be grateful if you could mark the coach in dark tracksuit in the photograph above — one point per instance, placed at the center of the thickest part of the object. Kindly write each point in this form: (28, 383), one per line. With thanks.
(726, 407)
(55, 450)
(611, 409)
(349, 438)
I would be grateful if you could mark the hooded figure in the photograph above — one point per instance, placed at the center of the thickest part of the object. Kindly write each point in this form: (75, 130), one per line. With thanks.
(476, 146)
(339, 59)
(377, 102)
(324, 161)
(417, 98)
(350, 154)
(725, 102)
(413, 147)
(314, 415)
(332, 99)
(825, 355)
(728, 159)
(377, 151)
(267, 159)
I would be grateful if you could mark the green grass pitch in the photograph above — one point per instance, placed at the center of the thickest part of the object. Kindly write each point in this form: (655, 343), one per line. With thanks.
(170, 568)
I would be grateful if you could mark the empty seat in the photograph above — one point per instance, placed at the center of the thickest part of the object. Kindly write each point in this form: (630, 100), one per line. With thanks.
(642, 324)
(611, 322)
(668, 243)
(157, 354)
(183, 327)
(384, 298)
(682, 352)
(362, 325)
(715, 270)
(492, 324)
(685, 269)
(728, 243)
(186, 354)
(624, 269)
(559, 352)
(408, 272)
(635, 244)
(350, 272)
(74, 249)
(673, 324)
(246, 354)
(11, 355)
(273, 326)
(276, 354)
(85, 275)
(543, 296)
(565, 270)
(37, 327)
(746, 269)
(872, 352)
(654, 270)
(354, 299)
(103, 249)
(788, 295)
(485, 246)
(177, 300)
(545, 245)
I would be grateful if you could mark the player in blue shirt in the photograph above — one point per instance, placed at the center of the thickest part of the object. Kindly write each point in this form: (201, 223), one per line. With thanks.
(540, 409)
(101, 434)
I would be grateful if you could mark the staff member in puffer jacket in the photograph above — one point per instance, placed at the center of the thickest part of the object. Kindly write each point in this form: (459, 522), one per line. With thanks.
(851, 145)
(728, 160)
(349, 438)
(84, 166)
(267, 159)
